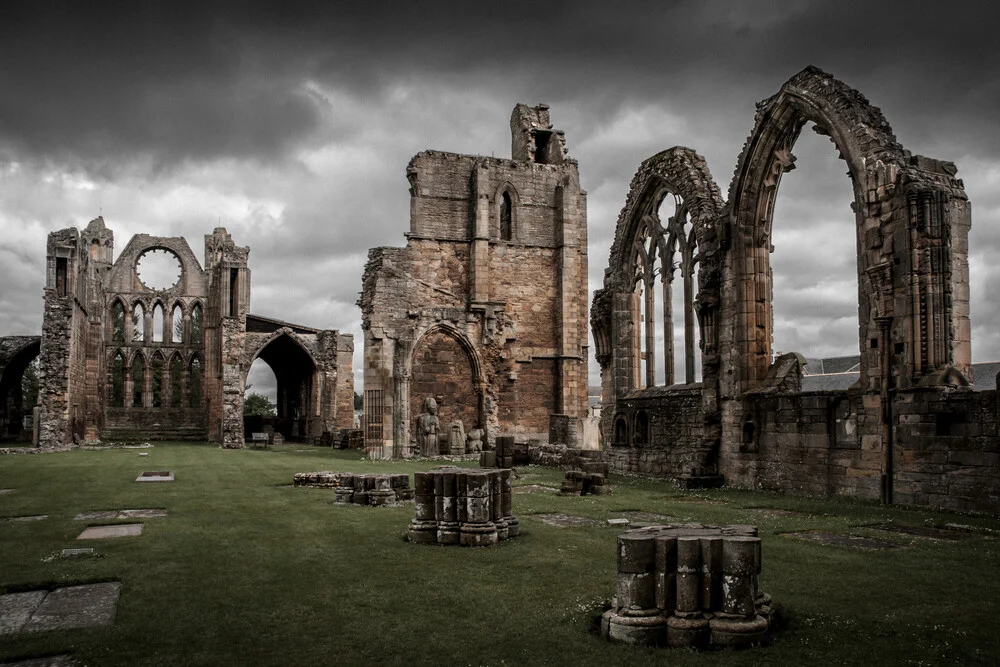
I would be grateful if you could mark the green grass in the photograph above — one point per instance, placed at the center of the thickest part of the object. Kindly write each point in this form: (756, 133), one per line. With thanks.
(247, 570)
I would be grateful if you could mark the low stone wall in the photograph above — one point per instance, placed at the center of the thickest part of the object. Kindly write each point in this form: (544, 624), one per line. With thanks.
(688, 585)
(463, 506)
(359, 488)
(579, 483)
(561, 456)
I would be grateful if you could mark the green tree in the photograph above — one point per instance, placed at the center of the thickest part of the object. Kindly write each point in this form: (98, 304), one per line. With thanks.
(258, 405)
(29, 386)
(358, 401)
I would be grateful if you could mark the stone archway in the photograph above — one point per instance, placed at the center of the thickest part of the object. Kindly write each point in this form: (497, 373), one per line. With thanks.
(298, 414)
(442, 366)
(16, 355)
(912, 221)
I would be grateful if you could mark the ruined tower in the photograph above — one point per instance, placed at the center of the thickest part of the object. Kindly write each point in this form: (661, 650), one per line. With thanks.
(485, 309)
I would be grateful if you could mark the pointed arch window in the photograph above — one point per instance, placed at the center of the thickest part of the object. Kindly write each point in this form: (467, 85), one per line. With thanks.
(156, 380)
(506, 217)
(138, 380)
(177, 324)
(196, 324)
(118, 375)
(195, 383)
(117, 322)
(138, 323)
(176, 382)
(158, 323)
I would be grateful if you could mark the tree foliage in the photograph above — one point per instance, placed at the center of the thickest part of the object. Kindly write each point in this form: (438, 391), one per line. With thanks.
(258, 405)
(29, 385)
(358, 401)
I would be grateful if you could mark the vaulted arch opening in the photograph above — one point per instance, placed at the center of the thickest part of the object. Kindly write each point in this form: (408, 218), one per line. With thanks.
(19, 393)
(296, 388)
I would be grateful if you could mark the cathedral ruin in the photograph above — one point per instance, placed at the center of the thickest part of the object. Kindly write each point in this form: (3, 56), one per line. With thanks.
(123, 359)
(485, 309)
(910, 430)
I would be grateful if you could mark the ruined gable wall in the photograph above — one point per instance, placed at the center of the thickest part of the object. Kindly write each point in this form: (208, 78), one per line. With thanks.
(675, 428)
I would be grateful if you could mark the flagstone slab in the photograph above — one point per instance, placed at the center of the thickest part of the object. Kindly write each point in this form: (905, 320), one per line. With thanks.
(110, 532)
(918, 531)
(86, 606)
(16, 609)
(566, 520)
(156, 476)
(103, 515)
(77, 553)
(31, 517)
(4, 492)
(535, 488)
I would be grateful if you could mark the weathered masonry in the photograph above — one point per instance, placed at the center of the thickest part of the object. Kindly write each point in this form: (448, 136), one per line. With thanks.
(911, 430)
(153, 346)
(485, 309)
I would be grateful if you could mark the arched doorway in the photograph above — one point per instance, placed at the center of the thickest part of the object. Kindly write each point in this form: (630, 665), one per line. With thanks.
(295, 397)
(19, 390)
(443, 368)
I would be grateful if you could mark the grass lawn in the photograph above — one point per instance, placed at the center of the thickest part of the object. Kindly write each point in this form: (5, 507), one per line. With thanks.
(247, 570)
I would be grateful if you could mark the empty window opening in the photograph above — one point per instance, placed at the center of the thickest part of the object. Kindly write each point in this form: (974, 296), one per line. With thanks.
(62, 278)
(373, 416)
(196, 324)
(543, 142)
(138, 323)
(156, 381)
(815, 284)
(158, 322)
(234, 292)
(506, 221)
(621, 430)
(194, 383)
(138, 380)
(749, 442)
(177, 325)
(118, 380)
(176, 382)
(117, 322)
(640, 432)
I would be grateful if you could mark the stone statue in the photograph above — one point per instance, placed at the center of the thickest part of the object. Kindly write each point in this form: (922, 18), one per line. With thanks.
(428, 425)
(475, 444)
(456, 438)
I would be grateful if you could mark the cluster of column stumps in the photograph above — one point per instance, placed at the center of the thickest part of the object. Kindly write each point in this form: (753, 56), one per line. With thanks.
(688, 585)
(372, 489)
(463, 506)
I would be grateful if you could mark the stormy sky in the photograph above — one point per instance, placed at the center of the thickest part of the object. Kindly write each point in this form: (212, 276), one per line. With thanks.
(291, 124)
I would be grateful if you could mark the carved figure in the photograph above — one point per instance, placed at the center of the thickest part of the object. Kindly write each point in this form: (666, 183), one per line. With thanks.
(456, 438)
(428, 425)
(475, 444)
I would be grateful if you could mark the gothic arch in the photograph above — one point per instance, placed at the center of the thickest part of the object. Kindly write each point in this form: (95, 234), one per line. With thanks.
(515, 204)
(463, 399)
(881, 172)
(463, 341)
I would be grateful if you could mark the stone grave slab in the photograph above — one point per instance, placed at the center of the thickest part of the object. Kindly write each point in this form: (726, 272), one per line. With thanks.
(30, 517)
(77, 553)
(47, 661)
(534, 488)
(16, 609)
(640, 515)
(918, 531)
(619, 522)
(841, 540)
(156, 476)
(110, 532)
(695, 500)
(87, 606)
(566, 520)
(104, 515)
(143, 453)
(6, 491)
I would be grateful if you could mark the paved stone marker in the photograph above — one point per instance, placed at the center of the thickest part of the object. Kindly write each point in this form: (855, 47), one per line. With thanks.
(156, 476)
(30, 517)
(535, 488)
(77, 553)
(6, 491)
(566, 520)
(68, 608)
(639, 515)
(102, 515)
(110, 532)
(840, 540)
